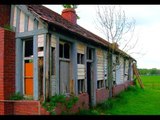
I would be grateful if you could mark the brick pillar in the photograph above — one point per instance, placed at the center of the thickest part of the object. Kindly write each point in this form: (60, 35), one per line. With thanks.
(5, 15)
(7, 65)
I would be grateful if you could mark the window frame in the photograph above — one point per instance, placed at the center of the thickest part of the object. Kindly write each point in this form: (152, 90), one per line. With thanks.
(80, 58)
(100, 84)
(81, 86)
(63, 50)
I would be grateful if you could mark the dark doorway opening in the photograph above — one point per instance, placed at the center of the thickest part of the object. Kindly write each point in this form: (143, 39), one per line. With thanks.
(89, 74)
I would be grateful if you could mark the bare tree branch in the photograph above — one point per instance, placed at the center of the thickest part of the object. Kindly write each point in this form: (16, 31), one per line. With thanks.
(114, 24)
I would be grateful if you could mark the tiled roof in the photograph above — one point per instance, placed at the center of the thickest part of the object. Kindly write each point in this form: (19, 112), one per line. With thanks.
(56, 19)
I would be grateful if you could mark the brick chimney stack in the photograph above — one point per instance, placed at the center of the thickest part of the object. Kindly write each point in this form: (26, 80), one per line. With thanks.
(70, 15)
(5, 15)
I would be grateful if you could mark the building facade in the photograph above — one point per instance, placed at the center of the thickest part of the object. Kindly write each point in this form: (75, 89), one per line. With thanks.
(51, 54)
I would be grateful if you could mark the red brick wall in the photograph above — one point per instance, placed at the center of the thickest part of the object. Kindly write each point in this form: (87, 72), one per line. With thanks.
(7, 63)
(131, 83)
(26, 108)
(83, 103)
(22, 107)
(119, 88)
(101, 95)
(5, 15)
(1, 108)
(7, 66)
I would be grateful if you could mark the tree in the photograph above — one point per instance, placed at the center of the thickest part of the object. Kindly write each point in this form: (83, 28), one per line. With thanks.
(118, 30)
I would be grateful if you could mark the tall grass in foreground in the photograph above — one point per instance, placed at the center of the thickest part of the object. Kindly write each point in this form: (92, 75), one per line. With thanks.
(133, 101)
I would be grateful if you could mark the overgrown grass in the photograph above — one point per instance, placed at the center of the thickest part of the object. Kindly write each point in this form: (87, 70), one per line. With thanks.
(133, 101)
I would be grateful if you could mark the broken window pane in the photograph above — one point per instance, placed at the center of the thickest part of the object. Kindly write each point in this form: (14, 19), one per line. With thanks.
(28, 48)
(66, 50)
(60, 50)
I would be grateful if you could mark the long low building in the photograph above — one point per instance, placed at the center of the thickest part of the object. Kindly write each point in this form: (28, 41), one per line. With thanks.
(47, 54)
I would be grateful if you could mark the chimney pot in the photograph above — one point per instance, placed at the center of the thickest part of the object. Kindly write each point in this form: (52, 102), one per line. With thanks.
(70, 15)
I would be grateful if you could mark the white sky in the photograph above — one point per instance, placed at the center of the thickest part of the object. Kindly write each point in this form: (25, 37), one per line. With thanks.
(147, 29)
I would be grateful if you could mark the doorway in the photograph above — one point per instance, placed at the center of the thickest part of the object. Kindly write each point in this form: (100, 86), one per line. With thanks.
(28, 67)
(89, 78)
(64, 77)
(64, 67)
(28, 78)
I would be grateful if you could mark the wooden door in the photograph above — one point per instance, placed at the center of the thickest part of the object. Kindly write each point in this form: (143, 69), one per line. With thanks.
(64, 77)
(28, 78)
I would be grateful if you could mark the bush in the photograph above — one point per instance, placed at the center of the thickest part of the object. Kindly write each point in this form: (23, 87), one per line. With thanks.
(63, 100)
(16, 96)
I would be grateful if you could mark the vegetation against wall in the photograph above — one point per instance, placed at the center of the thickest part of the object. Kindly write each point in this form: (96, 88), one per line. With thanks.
(62, 100)
(16, 96)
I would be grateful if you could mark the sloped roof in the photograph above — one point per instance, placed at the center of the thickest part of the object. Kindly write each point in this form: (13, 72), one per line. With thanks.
(56, 19)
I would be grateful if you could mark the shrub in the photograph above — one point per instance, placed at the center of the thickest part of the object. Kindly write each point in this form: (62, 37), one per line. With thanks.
(16, 96)
(67, 103)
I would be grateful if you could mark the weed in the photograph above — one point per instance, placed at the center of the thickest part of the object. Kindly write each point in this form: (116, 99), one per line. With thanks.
(66, 102)
(16, 96)
(8, 27)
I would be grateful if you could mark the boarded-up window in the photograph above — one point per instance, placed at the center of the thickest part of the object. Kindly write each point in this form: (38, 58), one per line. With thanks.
(81, 48)
(100, 69)
(81, 67)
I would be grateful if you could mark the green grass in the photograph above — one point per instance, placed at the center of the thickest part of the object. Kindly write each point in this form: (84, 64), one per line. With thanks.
(152, 82)
(134, 101)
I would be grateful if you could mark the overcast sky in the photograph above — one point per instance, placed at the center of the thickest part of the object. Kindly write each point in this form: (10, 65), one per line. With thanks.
(147, 29)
